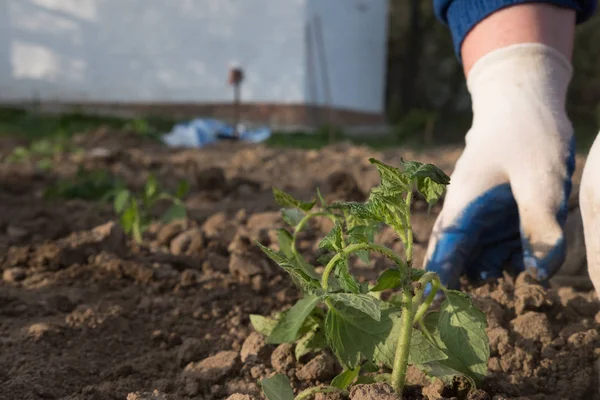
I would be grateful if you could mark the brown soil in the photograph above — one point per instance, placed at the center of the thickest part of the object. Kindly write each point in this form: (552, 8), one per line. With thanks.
(87, 314)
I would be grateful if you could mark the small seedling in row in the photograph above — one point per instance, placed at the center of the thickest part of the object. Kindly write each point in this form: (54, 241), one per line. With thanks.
(348, 316)
(87, 185)
(135, 211)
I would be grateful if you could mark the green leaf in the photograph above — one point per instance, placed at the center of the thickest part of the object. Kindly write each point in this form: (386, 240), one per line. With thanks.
(129, 217)
(362, 234)
(313, 340)
(370, 366)
(121, 200)
(358, 210)
(389, 279)
(286, 330)
(285, 240)
(262, 324)
(354, 336)
(422, 351)
(277, 388)
(321, 199)
(288, 201)
(393, 180)
(345, 278)
(345, 379)
(296, 270)
(362, 302)
(182, 189)
(333, 240)
(416, 169)
(292, 216)
(151, 188)
(430, 190)
(462, 328)
(175, 212)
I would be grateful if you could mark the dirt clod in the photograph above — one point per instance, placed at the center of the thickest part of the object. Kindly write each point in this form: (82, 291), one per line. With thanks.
(533, 325)
(376, 391)
(320, 368)
(155, 395)
(239, 396)
(282, 358)
(15, 274)
(254, 348)
(191, 350)
(213, 369)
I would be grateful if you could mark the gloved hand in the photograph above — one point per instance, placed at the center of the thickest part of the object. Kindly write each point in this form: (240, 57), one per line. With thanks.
(506, 204)
(589, 203)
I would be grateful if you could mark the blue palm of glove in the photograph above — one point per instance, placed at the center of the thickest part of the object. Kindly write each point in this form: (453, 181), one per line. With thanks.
(487, 238)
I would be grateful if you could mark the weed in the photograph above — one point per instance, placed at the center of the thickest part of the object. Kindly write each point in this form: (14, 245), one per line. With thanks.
(349, 317)
(135, 211)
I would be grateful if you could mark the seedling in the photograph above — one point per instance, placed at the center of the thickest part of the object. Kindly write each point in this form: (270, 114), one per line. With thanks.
(45, 149)
(349, 317)
(135, 211)
(87, 185)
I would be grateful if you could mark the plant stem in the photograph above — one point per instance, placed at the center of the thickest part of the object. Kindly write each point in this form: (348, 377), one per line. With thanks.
(435, 286)
(314, 390)
(353, 248)
(302, 224)
(403, 347)
(409, 233)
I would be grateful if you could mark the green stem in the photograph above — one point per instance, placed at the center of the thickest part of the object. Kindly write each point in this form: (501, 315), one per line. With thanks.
(302, 224)
(409, 233)
(403, 347)
(353, 248)
(314, 390)
(435, 286)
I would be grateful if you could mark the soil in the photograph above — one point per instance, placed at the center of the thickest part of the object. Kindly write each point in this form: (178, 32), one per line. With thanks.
(85, 313)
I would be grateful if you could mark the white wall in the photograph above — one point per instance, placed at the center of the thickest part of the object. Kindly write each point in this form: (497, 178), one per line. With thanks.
(355, 42)
(180, 50)
(150, 50)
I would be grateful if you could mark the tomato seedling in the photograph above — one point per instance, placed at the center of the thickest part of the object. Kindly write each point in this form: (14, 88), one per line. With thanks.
(348, 316)
(134, 211)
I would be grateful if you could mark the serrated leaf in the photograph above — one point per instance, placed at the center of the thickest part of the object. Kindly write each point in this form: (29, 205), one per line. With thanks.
(430, 190)
(354, 336)
(182, 189)
(393, 179)
(285, 240)
(356, 209)
(262, 324)
(364, 380)
(362, 302)
(292, 216)
(175, 212)
(287, 328)
(288, 201)
(333, 240)
(389, 279)
(121, 201)
(277, 387)
(345, 278)
(415, 169)
(313, 340)
(292, 267)
(462, 328)
(345, 379)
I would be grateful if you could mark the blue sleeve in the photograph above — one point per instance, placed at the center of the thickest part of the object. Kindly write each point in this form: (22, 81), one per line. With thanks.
(462, 15)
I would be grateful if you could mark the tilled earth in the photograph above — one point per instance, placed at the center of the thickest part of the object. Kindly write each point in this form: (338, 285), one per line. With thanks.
(85, 313)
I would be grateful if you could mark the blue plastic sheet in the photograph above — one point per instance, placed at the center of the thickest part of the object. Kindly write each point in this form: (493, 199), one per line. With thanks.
(200, 132)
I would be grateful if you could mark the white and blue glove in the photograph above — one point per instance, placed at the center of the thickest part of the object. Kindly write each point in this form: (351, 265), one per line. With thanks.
(589, 204)
(506, 204)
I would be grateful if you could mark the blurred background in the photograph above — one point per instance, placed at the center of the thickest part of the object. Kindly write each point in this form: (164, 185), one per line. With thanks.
(380, 72)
